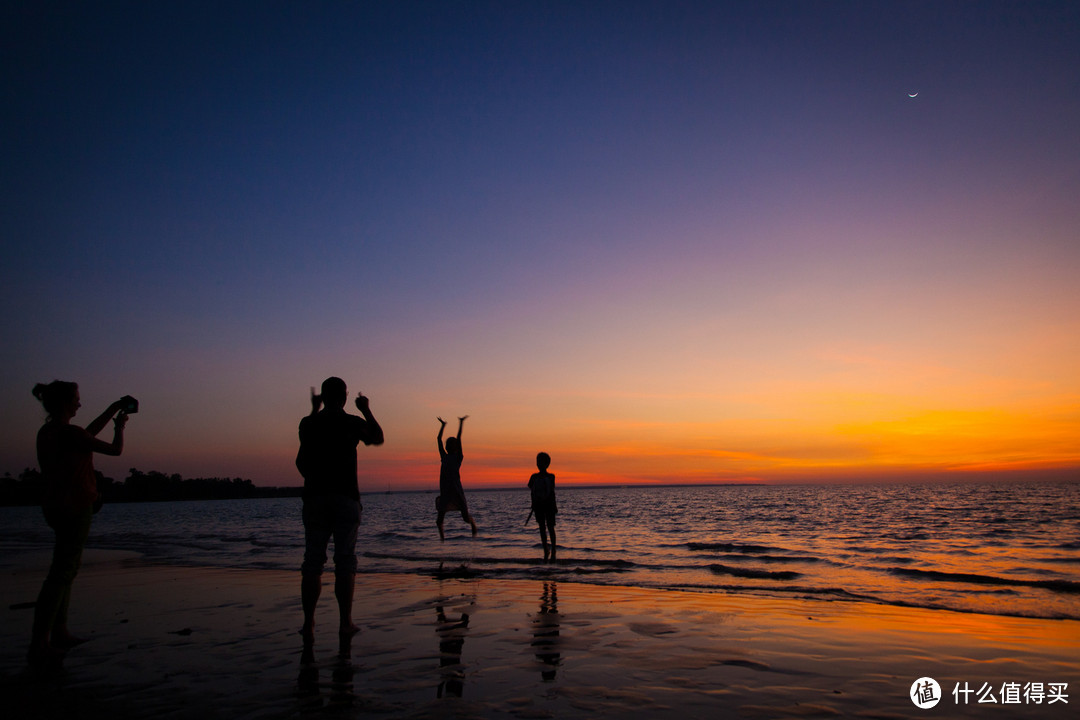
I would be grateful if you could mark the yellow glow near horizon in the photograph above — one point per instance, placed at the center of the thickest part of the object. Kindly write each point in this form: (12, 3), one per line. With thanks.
(849, 437)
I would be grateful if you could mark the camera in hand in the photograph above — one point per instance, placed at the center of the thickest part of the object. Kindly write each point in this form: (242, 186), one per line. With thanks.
(130, 404)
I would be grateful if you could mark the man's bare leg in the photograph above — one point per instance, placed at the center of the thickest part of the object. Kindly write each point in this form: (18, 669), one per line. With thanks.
(344, 587)
(310, 589)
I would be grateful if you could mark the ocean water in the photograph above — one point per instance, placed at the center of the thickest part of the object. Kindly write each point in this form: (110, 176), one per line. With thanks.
(1009, 549)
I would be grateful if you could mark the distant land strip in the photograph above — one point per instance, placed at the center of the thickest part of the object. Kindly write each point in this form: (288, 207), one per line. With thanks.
(152, 486)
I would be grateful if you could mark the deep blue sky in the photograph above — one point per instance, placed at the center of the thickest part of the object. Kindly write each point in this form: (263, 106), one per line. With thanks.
(534, 211)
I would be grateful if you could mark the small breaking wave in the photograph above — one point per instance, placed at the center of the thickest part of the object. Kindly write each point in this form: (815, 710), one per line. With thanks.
(1062, 586)
(751, 573)
(733, 547)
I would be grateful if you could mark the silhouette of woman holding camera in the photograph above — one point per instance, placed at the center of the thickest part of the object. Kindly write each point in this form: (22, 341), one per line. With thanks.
(69, 500)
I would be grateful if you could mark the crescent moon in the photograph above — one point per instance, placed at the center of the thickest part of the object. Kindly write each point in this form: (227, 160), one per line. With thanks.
(914, 94)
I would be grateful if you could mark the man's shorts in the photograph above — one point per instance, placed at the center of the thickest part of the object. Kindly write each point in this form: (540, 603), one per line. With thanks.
(327, 516)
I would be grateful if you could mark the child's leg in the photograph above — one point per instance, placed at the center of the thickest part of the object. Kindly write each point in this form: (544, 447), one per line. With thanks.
(543, 535)
(550, 522)
(469, 519)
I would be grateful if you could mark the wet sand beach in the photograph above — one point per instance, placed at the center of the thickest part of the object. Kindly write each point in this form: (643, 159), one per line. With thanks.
(191, 642)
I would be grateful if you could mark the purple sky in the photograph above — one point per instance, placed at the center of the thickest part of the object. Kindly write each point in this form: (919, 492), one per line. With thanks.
(661, 240)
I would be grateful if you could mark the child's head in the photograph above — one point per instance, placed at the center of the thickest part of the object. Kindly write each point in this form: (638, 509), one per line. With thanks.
(453, 445)
(543, 460)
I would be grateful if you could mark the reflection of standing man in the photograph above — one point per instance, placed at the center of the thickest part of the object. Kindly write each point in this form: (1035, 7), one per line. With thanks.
(309, 689)
(327, 460)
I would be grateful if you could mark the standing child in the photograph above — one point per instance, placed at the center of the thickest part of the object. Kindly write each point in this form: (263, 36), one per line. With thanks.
(451, 494)
(542, 487)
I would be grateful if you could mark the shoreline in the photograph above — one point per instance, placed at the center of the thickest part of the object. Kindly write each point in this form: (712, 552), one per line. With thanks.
(209, 642)
(37, 558)
(986, 551)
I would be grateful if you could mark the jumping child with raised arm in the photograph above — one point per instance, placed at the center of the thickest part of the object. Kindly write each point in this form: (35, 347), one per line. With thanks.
(451, 494)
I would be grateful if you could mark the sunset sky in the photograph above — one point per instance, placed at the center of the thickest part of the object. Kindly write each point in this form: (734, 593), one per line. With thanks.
(662, 241)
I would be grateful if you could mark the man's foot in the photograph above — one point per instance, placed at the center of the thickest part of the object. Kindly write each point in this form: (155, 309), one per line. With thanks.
(349, 629)
(308, 632)
(473, 529)
(43, 656)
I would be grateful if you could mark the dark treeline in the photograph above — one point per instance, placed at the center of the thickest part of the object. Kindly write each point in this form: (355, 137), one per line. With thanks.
(141, 486)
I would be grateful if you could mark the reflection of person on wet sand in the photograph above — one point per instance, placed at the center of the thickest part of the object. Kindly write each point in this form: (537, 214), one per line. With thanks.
(341, 676)
(546, 632)
(542, 488)
(451, 642)
(69, 500)
(327, 460)
(451, 494)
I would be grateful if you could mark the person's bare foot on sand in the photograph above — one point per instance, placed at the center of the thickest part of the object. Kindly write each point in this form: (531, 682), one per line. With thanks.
(44, 656)
(66, 641)
(308, 633)
(348, 629)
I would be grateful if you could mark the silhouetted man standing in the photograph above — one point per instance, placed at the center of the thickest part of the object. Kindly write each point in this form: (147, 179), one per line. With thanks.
(327, 460)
